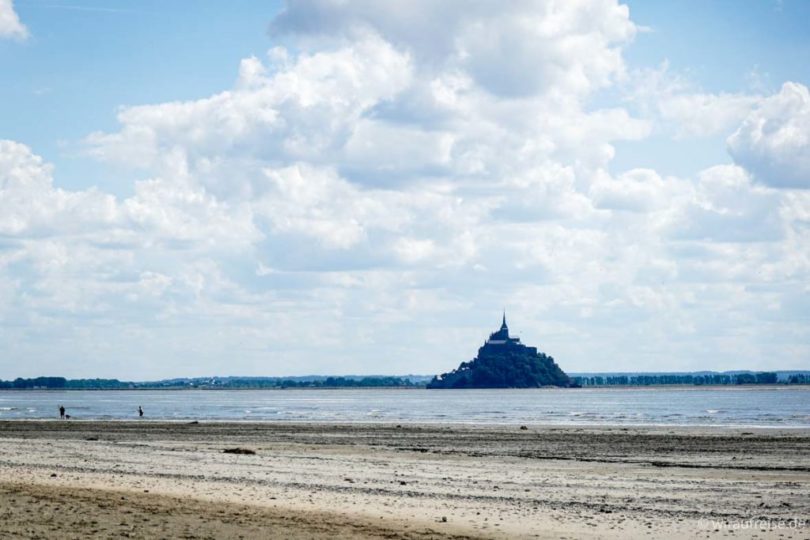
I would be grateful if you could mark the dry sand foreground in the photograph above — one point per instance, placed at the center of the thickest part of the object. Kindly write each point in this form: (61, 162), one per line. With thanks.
(152, 480)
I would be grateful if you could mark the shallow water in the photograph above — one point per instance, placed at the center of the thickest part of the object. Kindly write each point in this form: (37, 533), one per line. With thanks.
(718, 406)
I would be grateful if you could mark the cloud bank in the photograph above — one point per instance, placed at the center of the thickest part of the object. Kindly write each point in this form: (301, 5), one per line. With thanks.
(367, 196)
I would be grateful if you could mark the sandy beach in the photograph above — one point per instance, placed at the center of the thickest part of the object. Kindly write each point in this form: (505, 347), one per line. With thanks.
(174, 480)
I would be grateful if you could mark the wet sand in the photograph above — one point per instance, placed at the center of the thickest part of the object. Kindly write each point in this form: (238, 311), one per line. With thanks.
(150, 480)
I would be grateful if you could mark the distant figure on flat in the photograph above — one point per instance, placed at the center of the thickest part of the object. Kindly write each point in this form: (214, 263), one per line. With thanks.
(62, 412)
(140, 411)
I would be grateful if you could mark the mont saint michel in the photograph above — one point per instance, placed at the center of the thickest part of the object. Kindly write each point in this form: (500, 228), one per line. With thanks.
(504, 362)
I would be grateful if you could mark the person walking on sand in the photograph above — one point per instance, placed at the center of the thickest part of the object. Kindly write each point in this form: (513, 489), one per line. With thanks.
(140, 411)
(62, 412)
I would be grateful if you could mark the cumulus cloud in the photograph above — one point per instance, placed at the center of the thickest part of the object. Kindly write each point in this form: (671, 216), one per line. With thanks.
(773, 141)
(523, 48)
(160, 210)
(10, 25)
(301, 112)
(373, 105)
(683, 108)
(727, 207)
(30, 205)
(86, 254)
(637, 190)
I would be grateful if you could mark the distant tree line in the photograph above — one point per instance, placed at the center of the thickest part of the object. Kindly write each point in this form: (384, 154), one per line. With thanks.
(341, 382)
(488, 374)
(39, 382)
(327, 382)
(60, 383)
(689, 379)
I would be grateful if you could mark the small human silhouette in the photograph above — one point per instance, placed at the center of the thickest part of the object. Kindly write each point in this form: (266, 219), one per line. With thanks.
(62, 412)
(140, 411)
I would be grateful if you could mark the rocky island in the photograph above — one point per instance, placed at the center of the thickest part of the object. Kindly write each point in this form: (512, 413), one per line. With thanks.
(504, 362)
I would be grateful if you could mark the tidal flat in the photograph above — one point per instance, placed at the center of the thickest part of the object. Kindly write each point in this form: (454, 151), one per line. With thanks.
(150, 479)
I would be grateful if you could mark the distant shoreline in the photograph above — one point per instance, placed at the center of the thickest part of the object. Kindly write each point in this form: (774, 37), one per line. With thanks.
(777, 386)
(708, 379)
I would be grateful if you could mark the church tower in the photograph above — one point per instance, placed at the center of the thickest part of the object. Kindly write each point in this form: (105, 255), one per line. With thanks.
(501, 337)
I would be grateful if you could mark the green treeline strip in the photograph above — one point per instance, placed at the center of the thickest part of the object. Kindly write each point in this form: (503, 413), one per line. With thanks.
(328, 382)
(693, 379)
(60, 383)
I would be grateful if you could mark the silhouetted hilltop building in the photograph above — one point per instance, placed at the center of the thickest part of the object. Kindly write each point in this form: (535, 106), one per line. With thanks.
(504, 362)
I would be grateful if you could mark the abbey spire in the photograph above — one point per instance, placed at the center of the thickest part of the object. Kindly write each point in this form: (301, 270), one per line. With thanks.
(502, 335)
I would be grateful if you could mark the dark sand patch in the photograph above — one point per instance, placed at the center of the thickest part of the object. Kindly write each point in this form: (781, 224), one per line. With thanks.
(36, 511)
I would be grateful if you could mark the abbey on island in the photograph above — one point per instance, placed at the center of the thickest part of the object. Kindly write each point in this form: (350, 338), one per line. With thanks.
(504, 362)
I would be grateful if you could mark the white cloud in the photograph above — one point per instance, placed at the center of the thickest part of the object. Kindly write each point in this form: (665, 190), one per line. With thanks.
(83, 253)
(727, 207)
(527, 48)
(637, 190)
(773, 141)
(10, 25)
(373, 105)
(704, 114)
(302, 111)
(319, 204)
(545, 192)
(680, 106)
(31, 206)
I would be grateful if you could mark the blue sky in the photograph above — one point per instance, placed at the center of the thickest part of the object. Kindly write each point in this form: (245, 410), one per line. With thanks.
(720, 43)
(262, 188)
(84, 60)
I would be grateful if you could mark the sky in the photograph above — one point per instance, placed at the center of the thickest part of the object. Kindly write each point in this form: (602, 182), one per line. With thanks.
(362, 187)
